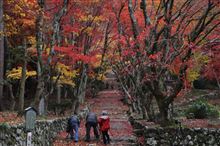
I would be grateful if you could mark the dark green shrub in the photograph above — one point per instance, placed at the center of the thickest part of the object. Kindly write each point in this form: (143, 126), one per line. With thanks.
(201, 109)
(3, 126)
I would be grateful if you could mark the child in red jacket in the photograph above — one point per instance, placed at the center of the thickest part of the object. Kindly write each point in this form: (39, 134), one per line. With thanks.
(104, 123)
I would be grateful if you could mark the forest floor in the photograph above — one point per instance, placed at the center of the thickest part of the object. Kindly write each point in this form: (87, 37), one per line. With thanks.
(121, 131)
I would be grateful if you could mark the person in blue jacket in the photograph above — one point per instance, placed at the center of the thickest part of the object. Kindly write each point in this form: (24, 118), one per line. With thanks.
(74, 124)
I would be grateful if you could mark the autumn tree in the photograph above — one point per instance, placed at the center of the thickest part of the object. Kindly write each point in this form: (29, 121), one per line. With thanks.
(67, 35)
(158, 46)
(19, 33)
(211, 70)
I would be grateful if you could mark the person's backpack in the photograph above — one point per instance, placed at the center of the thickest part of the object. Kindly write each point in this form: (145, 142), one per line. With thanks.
(68, 125)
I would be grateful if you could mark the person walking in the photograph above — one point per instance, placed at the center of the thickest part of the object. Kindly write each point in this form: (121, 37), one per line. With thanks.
(91, 121)
(104, 124)
(73, 127)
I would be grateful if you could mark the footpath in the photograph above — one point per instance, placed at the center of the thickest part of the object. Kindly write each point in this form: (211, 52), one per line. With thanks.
(121, 131)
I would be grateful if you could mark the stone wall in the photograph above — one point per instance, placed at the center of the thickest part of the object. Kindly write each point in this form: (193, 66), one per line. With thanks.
(159, 136)
(44, 133)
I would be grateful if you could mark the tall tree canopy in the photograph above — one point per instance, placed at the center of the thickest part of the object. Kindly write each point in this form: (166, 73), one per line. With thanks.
(154, 47)
(157, 46)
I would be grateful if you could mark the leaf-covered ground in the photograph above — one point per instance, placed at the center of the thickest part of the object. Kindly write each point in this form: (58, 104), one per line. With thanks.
(121, 130)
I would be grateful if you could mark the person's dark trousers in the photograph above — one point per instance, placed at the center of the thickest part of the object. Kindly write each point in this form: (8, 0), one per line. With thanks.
(88, 127)
(105, 136)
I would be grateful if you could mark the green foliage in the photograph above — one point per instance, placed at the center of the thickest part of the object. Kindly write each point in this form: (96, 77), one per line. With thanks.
(201, 109)
(3, 126)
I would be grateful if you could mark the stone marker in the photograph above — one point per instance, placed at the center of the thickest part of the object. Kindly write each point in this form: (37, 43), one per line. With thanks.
(30, 118)
(42, 106)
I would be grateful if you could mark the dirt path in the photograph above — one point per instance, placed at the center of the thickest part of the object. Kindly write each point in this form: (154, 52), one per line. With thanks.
(121, 130)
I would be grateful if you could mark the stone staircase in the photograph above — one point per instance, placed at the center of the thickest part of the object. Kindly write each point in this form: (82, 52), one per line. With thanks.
(121, 130)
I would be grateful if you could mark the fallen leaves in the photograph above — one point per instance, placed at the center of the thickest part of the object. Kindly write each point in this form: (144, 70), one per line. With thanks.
(10, 118)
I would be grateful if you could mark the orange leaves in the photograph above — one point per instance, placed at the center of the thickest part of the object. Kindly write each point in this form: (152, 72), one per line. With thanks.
(28, 22)
(73, 54)
(68, 28)
(81, 26)
(175, 67)
(10, 118)
(122, 40)
(153, 56)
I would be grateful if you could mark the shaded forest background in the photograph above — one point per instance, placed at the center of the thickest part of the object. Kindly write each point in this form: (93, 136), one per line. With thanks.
(55, 53)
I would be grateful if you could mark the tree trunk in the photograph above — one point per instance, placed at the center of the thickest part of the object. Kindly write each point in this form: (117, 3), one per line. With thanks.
(58, 93)
(83, 90)
(144, 8)
(216, 78)
(75, 105)
(139, 105)
(163, 109)
(23, 80)
(75, 101)
(40, 80)
(65, 93)
(1, 54)
(12, 108)
(133, 19)
(143, 108)
(150, 110)
(38, 94)
(82, 84)
(80, 96)
(58, 108)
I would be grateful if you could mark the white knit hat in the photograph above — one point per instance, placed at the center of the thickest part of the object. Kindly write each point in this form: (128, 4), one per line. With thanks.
(104, 113)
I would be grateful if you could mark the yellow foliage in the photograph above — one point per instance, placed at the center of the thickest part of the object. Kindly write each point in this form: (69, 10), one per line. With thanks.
(47, 51)
(86, 18)
(193, 75)
(99, 19)
(95, 19)
(31, 40)
(15, 73)
(199, 60)
(97, 63)
(66, 75)
(21, 14)
(101, 77)
(89, 30)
